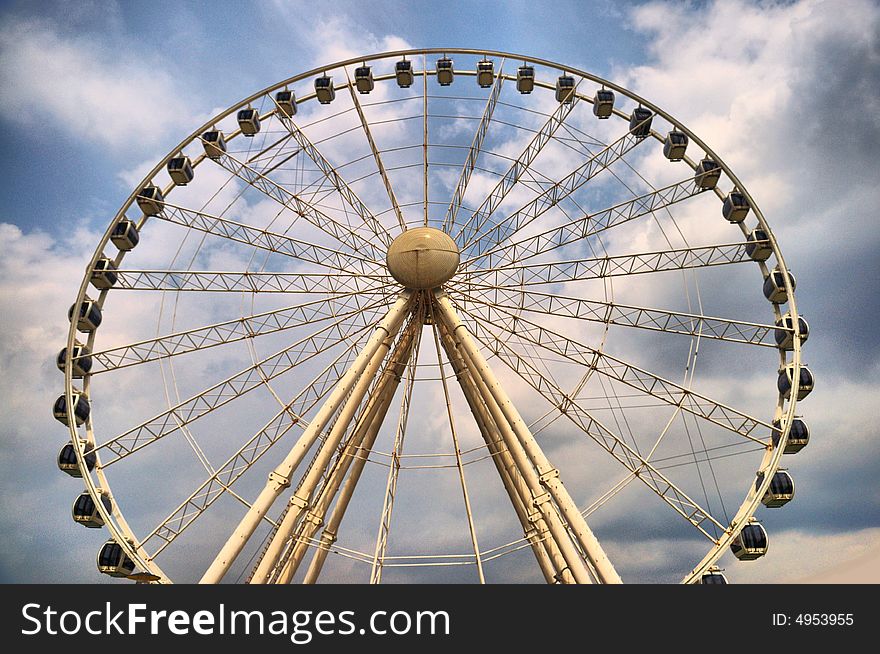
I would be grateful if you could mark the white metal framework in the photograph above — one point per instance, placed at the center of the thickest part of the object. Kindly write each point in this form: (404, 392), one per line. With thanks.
(352, 283)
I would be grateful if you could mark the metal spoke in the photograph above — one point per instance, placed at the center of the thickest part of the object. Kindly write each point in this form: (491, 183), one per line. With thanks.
(246, 282)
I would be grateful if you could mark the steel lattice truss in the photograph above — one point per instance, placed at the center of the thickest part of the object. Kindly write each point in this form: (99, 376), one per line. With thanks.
(557, 363)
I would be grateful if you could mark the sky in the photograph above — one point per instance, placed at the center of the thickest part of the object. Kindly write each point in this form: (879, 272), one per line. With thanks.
(95, 93)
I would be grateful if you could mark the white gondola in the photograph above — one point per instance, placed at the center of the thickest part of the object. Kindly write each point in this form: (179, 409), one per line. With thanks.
(757, 245)
(150, 200)
(248, 121)
(403, 72)
(713, 577)
(798, 436)
(214, 143)
(784, 332)
(781, 489)
(485, 73)
(525, 79)
(89, 315)
(735, 208)
(82, 362)
(67, 461)
(565, 89)
(774, 286)
(675, 145)
(286, 101)
(640, 122)
(785, 381)
(113, 561)
(103, 274)
(324, 90)
(363, 79)
(180, 170)
(85, 510)
(751, 543)
(603, 103)
(125, 235)
(707, 173)
(81, 409)
(445, 72)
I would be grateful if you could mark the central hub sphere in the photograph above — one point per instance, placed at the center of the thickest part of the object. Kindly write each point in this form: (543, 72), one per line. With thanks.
(422, 258)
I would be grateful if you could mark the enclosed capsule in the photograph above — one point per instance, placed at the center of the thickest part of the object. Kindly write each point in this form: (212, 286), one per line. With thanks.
(785, 381)
(286, 101)
(707, 173)
(81, 409)
(735, 208)
(85, 510)
(214, 143)
(675, 145)
(640, 122)
(180, 170)
(751, 543)
(565, 89)
(485, 73)
(89, 316)
(82, 362)
(150, 200)
(67, 461)
(363, 79)
(758, 245)
(248, 121)
(798, 436)
(603, 103)
(324, 90)
(113, 561)
(784, 332)
(125, 235)
(780, 492)
(403, 72)
(713, 577)
(525, 79)
(445, 72)
(774, 286)
(103, 274)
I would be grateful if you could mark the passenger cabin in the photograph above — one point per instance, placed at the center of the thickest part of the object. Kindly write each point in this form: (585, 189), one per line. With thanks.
(735, 208)
(180, 170)
(565, 89)
(67, 461)
(758, 245)
(751, 543)
(485, 73)
(150, 200)
(640, 122)
(784, 332)
(324, 90)
(82, 362)
(785, 381)
(713, 577)
(445, 72)
(707, 173)
(125, 235)
(89, 317)
(113, 561)
(798, 436)
(675, 145)
(363, 79)
(214, 143)
(81, 409)
(104, 274)
(403, 72)
(248, 121)
(774, 286)
(85, 510)
(525, 79)
(603, 103)
(286, 101)
(780, 492)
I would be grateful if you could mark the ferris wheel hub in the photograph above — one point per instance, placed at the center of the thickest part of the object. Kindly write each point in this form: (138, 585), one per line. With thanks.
(423, 258)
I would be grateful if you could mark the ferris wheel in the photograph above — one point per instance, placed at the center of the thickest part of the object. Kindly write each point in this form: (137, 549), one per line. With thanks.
(434, 314)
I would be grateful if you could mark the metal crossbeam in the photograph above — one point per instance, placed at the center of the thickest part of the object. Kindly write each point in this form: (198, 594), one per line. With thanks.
(248, 282)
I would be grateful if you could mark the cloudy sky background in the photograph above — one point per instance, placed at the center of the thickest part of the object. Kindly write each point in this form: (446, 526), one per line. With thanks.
(94, 95)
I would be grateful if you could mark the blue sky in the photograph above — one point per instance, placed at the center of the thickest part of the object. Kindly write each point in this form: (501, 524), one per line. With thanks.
(94, 93)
